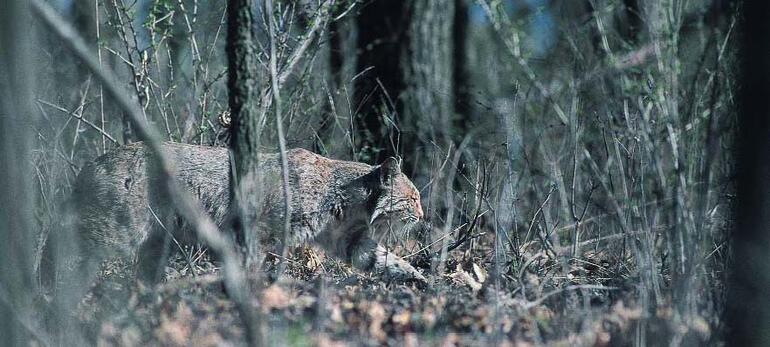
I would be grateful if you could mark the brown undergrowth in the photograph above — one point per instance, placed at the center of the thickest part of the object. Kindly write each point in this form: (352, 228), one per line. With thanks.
(587, 301)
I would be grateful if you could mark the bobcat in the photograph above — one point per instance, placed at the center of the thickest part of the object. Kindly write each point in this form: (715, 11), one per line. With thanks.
(118, 211)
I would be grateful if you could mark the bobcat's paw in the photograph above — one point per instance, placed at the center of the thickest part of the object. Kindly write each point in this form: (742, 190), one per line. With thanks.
(395, 268)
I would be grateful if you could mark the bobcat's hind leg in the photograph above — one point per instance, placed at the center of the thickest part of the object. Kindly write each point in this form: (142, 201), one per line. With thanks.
(72, 276)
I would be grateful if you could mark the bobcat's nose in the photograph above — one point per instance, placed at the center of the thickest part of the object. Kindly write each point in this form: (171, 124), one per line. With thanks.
(418, 213)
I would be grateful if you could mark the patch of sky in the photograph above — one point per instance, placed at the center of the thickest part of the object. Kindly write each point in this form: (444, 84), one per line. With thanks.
(540, 30)
(64, 6)
(140, 9)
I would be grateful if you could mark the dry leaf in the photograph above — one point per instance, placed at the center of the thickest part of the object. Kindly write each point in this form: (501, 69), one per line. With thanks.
(481, 274)
(336, 314)
(461, 276)
(410, 340)
(701, 326)
(401, 318)
(322, 340)
(174, 328)
(310, 259)
(602, 339)
(274, 297)
(626, 313)
(376, 314)
(450, 340)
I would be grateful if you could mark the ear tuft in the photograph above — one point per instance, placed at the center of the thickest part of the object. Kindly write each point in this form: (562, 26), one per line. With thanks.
(389, 169)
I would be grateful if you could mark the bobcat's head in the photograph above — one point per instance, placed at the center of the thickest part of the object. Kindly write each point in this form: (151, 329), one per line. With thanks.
(396, 200)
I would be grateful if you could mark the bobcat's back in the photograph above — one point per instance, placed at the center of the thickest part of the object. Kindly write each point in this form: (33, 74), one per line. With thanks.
(117, 200)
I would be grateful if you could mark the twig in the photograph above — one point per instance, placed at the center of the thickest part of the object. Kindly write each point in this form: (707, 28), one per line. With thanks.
(467, 235)
(80, 118)
(616, 236)
(101, 91)
(320, 19)
(283, 257)
(266, 98)
(541, 299)
(186, 255)
(578, 221)
(537, 212)
(281, 139)
(450, 196)
(512, 46)
(437, 240)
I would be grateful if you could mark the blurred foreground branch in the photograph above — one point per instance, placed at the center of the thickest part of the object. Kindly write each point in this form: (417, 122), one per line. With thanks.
(186, 204)
(16, 197)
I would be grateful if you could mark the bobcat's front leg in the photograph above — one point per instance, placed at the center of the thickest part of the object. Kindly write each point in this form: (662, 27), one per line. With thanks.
(153, 253)
(366, 254)
(152, 256)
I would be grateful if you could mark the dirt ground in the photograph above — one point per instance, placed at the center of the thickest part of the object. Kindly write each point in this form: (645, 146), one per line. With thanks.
(319, 301)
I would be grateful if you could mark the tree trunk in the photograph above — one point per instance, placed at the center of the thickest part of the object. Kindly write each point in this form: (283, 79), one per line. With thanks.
(381, 41)
(16, 199)
(428, 106)
(242, 98)
(632, 23)
(242, 85)
(460, 87)
(409, 46)
(748, 306)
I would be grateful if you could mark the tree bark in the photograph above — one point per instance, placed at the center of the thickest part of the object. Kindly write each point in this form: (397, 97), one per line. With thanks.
(428, 98)
(242, 85)
(243, 101)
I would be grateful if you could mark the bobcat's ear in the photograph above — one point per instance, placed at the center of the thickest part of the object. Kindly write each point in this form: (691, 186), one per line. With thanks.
(389, 169)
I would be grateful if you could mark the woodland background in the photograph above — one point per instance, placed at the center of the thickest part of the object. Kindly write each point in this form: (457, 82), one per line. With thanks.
(579, 157)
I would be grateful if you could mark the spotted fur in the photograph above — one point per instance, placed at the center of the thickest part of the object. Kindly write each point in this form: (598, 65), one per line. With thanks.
(120, 210)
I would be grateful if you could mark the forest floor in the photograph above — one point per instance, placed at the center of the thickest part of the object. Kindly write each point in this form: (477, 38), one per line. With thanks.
(319, 301)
